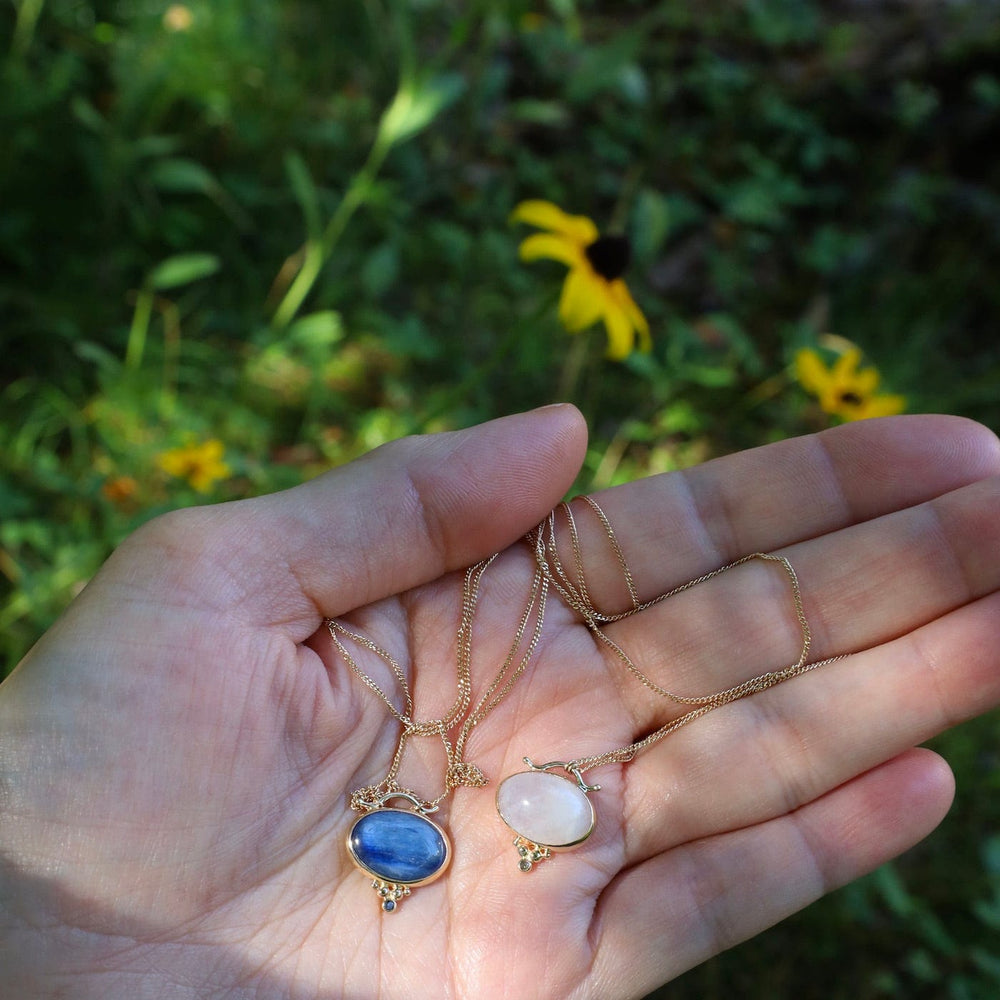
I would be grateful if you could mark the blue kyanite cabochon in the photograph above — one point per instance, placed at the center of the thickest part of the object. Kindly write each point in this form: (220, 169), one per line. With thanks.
(398, 846)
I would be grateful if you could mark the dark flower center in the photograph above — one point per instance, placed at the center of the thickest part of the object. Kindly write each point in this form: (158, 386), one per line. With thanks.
(609, 256)
(851, 399)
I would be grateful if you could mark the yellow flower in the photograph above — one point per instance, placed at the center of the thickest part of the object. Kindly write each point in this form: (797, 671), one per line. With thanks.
(594, 289)
(177, 17)
(845, 390)
(200, 464)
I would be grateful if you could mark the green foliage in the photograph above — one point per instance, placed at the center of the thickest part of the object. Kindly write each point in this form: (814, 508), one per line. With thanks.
(284, 227)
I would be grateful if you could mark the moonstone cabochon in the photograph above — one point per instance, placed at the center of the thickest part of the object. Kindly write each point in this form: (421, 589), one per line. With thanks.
(398, 845)
(546, 809)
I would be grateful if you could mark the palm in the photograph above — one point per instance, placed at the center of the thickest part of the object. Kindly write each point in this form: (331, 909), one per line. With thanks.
(196, 724)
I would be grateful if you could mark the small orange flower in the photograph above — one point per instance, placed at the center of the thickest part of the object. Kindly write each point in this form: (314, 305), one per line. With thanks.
(200, 464)
(120, 489)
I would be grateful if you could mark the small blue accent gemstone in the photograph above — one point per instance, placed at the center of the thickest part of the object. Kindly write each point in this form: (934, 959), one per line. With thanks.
(398, 846)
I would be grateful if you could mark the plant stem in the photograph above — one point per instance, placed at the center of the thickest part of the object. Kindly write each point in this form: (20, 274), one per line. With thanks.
(318, 252)
(576, 357)
(136, 346)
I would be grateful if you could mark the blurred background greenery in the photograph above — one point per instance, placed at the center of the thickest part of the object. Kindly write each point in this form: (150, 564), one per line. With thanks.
(242, 242)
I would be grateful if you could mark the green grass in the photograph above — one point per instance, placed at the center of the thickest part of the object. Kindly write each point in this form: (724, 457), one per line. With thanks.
(285, 227)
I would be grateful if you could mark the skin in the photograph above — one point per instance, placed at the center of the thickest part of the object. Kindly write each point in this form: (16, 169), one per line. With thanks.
(177, 751)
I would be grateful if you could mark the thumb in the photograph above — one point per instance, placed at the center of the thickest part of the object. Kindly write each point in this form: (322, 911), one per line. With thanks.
(402, 515)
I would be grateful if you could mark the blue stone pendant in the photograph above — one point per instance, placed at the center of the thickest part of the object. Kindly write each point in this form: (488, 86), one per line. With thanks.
(400, 849)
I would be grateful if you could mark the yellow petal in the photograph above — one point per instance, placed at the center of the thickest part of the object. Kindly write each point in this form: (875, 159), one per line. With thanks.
(175, 462)
(621, 333)
(201, 481)
(810, 371)
(545, 215)
(883, 406)
(635, 315)
(582, 300)
(551, 247)
(846, 365)
(866, 382)
(621, 297)
(204, 476)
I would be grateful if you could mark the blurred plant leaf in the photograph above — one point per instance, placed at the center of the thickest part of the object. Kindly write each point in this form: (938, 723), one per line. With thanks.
(611, 66)
(182, 269)
(305, 192)
(416, 104)
(987, 963)
(651, 223)
(98, 355)
(87, 115)
(182, 176)
(552, 114)
(179, 175)
(317, 331)
(156, 145)
(380, 270)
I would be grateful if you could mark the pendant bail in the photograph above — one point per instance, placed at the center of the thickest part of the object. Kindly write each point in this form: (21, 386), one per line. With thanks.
(570, 767)
(362, 804)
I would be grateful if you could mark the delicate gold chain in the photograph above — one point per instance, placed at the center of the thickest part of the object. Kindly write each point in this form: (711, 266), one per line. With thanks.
(459, 771)
(572, 588)
(575, 593)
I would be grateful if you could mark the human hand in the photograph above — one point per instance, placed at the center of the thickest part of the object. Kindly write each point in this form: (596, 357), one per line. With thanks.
(176, 753)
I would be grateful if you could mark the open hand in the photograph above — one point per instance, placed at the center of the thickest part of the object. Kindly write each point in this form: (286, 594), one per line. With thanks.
(178, 751)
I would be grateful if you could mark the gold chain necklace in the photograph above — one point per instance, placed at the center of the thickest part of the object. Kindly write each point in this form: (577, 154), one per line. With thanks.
(401, 849)
(548, 813)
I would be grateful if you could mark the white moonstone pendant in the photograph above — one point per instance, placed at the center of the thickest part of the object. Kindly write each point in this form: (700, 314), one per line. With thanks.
(546, 811)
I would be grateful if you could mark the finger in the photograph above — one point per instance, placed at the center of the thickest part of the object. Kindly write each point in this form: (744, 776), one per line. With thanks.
(895, 589)
(400, 516)
(772, 753)
(861, 586)
(676, 526)
(919, 541)
(662, 917)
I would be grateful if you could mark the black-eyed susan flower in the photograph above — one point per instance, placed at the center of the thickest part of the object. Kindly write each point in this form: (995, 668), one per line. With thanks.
(845, 389)
(200, 464)
(594, 289)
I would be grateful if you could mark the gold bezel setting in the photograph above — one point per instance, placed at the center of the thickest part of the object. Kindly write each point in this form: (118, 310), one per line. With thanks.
(389, 881)
(533, 850)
